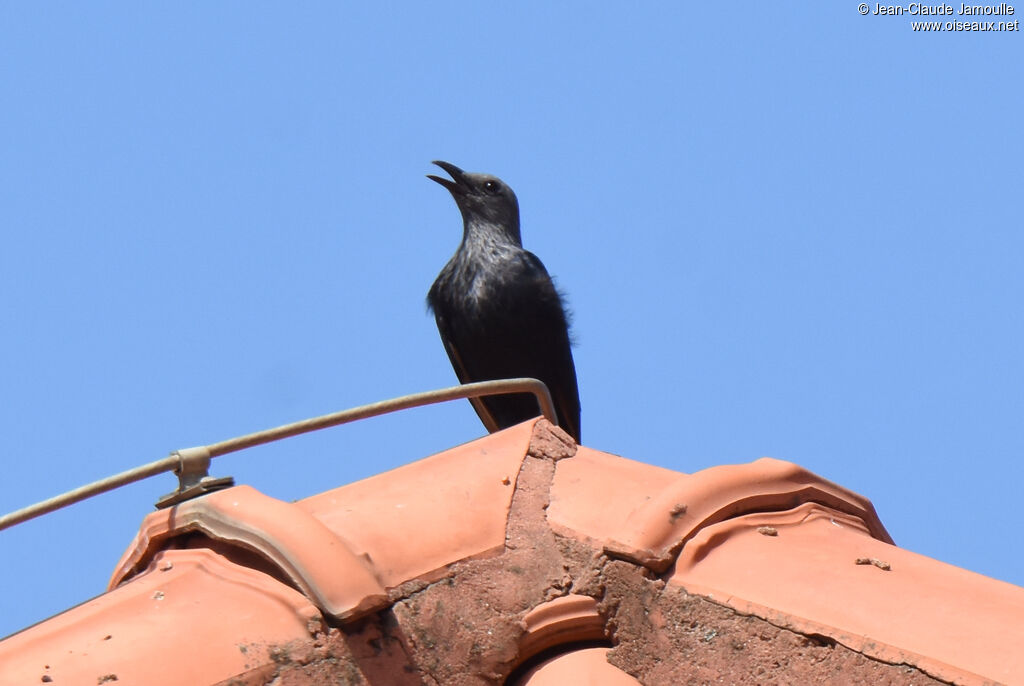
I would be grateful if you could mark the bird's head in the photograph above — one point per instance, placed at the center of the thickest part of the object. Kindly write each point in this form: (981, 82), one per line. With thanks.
(484, 200)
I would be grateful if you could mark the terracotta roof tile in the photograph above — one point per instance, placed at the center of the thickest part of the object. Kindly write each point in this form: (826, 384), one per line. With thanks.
(412, 522)
(907, 608)
(470, 564)
(586, 667)
(192, 618)
(654, 532)
(595, 492)
(309, 554)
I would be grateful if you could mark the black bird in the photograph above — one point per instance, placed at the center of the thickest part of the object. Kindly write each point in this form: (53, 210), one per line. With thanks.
(497, 309)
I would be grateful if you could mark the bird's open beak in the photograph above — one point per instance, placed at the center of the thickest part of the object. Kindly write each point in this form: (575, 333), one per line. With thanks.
(456, 187)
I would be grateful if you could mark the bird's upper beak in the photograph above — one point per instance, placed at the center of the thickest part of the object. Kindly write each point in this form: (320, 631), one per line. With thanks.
(456, 187)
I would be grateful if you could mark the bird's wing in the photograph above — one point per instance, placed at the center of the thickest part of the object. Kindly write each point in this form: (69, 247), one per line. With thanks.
(448, 338)
(544, 337)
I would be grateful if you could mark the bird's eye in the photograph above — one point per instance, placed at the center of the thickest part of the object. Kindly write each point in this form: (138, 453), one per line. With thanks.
(492, 186)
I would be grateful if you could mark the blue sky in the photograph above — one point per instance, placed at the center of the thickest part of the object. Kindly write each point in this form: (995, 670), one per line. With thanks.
(785, 230)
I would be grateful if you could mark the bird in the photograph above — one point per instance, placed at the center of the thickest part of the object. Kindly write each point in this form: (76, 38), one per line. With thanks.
(497, 309)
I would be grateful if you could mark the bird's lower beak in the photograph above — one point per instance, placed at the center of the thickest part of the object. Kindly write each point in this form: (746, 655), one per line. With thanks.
(458, 186)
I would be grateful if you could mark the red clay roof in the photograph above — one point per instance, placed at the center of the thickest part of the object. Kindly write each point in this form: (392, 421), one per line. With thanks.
(523, 554)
